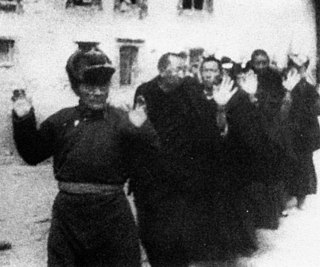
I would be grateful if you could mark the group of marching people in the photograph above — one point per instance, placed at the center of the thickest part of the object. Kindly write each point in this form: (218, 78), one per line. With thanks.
(209, 161)
(238, 146)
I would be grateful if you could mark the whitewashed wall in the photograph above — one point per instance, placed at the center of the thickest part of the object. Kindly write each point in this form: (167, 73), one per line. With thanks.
(45, 32)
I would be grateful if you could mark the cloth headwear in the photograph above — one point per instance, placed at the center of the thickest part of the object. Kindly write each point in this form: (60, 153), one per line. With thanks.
(92, 66)
(298, 60)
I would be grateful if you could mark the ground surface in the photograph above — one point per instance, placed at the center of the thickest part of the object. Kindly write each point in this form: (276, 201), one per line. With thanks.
(26, 195)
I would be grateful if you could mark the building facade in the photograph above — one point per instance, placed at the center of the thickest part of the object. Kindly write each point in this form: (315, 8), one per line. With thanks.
(37, 37)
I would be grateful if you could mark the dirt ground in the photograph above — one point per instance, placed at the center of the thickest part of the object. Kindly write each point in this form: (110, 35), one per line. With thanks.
(26, 196)
(27, 193)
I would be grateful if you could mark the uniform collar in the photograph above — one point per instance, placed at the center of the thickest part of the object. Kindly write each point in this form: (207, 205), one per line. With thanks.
(88, 113)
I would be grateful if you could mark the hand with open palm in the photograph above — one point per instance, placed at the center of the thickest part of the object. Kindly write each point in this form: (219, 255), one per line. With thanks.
(224, 92)
(291, 80)
(249, 82)
(21, 104)
(138, 115)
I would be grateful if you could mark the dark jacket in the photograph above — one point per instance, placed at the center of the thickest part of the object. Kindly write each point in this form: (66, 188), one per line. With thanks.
(87, 146)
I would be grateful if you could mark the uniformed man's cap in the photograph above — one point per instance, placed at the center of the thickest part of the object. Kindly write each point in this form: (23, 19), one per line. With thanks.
(90, 66)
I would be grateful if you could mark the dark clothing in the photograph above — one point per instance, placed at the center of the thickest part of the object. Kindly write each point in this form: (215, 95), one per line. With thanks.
(270, 93)
(89, 147)
(85, 145)
(168, 202)
(204, 210)
(169, 114)
(248, 164)
(93, 230)
(301, 136)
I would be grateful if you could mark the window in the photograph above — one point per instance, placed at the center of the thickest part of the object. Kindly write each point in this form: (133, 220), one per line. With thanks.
(11, 5)
(139, 7)
(86, 3)
(6, 52)
(128, 60)
(189, 4)
(195, 5)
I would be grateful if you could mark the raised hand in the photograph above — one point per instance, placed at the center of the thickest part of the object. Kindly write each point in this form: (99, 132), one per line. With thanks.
(224, 92)
(249, 82)
(291, 80)
(21, 104)
(138, 115)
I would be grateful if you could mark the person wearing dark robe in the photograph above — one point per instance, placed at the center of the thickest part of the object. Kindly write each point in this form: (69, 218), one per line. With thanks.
(257, 163)
(193, 211)
(268, 100)
(168, 203)
(270, 90)
(92, 223)
(299, 126)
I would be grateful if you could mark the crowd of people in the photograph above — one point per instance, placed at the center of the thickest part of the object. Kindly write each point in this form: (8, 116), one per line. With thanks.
(209, 159)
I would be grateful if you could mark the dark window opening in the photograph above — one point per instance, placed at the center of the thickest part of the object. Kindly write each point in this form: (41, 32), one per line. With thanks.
(10, 5)
(6, 51)
(128, 60)
(190, 4)
(198, 5)
(132, 2)
(83, 3)
(187, 4)
(139, 7)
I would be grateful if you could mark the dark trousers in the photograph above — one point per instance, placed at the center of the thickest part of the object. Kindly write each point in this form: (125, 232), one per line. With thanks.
(93, 230)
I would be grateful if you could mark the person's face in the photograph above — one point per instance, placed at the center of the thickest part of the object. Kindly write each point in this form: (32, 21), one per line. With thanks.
(194, 70)
(260, 63)
(174, 72)
(94, 96)
(211, 74)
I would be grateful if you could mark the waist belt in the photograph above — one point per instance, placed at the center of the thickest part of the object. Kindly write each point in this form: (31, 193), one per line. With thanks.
(81, 188)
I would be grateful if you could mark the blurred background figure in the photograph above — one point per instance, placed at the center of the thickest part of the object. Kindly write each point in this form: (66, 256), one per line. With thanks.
(194, 72)
(270, 90)
(300, 127)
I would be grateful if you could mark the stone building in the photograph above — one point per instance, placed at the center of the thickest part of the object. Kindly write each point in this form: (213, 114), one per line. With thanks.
(37, 36)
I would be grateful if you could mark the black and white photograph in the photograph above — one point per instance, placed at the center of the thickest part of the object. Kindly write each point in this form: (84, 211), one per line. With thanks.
(159, 133)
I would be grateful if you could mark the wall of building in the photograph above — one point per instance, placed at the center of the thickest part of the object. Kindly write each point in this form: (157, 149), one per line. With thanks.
(45, 32)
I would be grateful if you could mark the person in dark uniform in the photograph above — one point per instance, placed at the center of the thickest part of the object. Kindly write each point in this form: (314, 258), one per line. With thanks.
(92, 223)
(299, 126)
